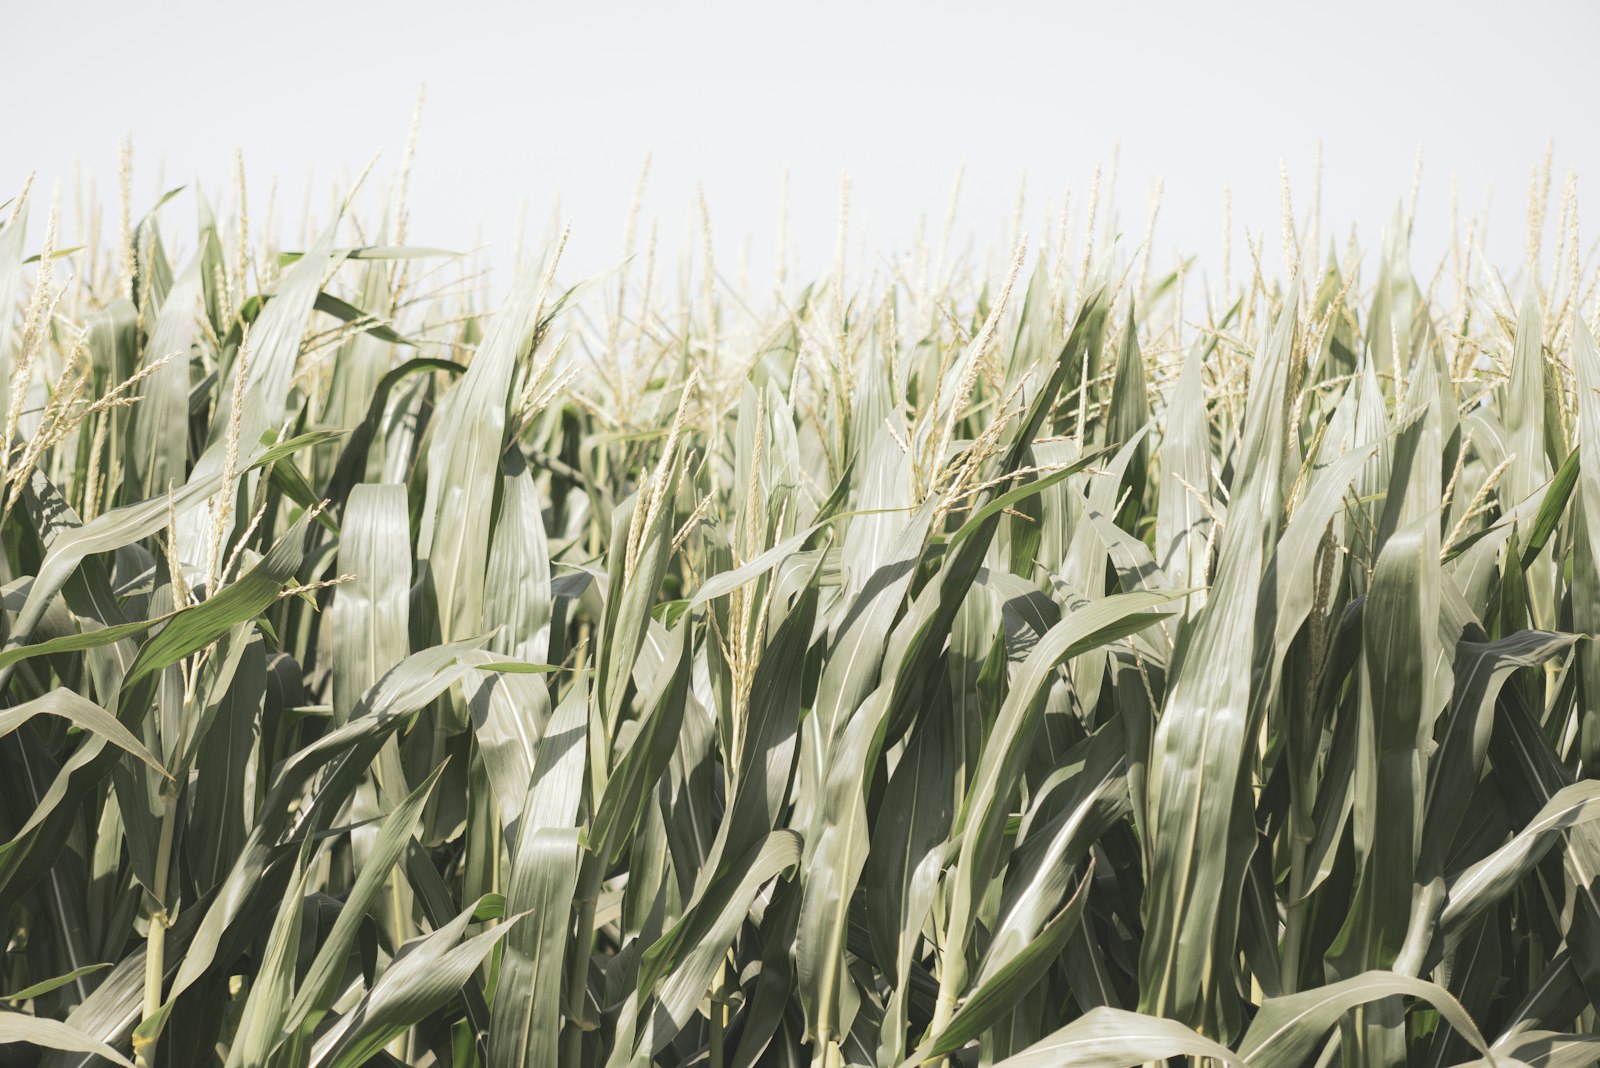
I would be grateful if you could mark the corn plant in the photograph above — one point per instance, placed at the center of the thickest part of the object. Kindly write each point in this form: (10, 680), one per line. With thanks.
(1047, 661)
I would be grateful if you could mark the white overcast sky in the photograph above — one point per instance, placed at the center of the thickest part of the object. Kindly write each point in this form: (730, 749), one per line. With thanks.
(526, 101)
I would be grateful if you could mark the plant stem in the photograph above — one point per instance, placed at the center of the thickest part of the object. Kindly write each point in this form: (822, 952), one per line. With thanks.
(589, 878)
(1294, 921)
(155, 952)
(951, 979)
(718, 1014)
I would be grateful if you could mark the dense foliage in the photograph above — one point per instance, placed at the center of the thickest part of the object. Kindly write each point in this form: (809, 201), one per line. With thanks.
(1065, 664)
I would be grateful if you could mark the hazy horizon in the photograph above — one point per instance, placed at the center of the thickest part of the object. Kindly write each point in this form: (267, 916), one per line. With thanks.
(542, 110)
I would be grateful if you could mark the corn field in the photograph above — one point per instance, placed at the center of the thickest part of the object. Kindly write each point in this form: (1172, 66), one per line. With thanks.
(1048, 660)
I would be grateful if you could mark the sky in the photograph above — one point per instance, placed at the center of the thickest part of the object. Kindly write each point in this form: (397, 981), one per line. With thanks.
(536, 110)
